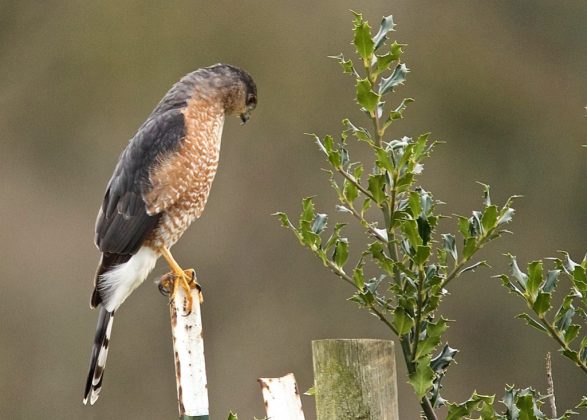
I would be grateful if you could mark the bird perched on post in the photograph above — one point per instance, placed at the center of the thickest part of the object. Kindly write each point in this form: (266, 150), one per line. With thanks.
(159, 187)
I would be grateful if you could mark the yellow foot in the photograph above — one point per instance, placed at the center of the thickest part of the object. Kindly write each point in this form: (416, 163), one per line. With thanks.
(170, 282)
(192, 283)
(179, 277)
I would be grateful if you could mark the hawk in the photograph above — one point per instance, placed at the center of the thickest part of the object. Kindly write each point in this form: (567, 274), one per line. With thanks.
(159, 187)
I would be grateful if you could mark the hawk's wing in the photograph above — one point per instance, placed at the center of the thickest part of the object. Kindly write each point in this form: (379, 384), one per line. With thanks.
(123, 222)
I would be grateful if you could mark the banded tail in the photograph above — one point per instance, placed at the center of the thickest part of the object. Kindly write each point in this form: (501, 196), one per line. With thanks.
(99, 354)
(117, 276)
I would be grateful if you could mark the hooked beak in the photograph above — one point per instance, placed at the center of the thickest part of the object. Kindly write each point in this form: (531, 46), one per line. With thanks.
(245, 117)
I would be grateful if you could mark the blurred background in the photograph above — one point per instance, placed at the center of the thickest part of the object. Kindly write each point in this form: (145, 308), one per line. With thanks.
(502, 83)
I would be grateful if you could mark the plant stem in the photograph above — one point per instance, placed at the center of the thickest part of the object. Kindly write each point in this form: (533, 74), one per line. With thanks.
(428, 410)
(388, 210)
(550, 387)
(389, 215)
(420, 304)
(356, 183)
(364, 222)
(453, 274)
(456, 270)
(554, 334)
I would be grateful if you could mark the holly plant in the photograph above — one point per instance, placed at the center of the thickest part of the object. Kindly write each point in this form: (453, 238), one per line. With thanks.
(406, 267)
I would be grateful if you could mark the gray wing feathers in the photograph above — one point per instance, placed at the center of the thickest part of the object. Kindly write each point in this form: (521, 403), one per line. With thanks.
(123, 223)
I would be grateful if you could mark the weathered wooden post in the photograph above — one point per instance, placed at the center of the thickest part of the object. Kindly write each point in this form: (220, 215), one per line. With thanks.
(355, 379)
(188, 353)
(282, 398)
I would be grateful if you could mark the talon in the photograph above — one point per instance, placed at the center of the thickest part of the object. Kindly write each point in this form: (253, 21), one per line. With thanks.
(165, 284)
(193, 283)
(181, 280)
(185, 278)
(191, 273)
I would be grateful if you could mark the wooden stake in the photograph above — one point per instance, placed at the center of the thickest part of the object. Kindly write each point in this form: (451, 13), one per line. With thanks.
(355, 379)
(188, 352)
(282, 398)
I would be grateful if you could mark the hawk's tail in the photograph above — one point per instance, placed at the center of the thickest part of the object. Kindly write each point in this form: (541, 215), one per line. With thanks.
(99, 353)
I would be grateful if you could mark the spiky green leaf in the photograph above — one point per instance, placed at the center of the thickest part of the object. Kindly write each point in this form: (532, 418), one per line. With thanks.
(443, 359)
(362, 38)
(284, 219)
(358, 275)
(489, 218)
(402, 321)
(384, 159)
(376, 186)
(534, 280)
(551, 280)
(341, 252)
(571, 333)
(382, 63)
(396, 50)
(426, 346)
(470, 247)
(463, 226)
(398, 113)
(482, 404)
(398, 77)
(365, 95)
(421, 379)
(410, 229)
(387, 25)
(532, 322)
(350, 191)
(347, 65)
(422, 254)
(319, 223)
(542, 303)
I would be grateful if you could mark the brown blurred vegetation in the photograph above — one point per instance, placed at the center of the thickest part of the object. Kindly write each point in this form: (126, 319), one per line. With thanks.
(503, 83)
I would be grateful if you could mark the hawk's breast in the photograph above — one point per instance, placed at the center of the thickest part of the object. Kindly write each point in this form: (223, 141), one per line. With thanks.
(181, 181)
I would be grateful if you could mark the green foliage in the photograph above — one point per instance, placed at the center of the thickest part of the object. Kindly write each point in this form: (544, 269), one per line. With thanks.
(233, 416)
(411, 265)
(562, 322)
(519, 404)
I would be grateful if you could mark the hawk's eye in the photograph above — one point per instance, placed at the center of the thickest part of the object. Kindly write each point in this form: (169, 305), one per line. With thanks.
(251, 100)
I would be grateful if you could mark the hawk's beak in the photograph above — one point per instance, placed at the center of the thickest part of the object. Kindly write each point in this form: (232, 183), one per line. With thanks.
(245, 117)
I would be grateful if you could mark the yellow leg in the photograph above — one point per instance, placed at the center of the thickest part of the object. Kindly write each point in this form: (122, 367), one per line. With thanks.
(186, 279)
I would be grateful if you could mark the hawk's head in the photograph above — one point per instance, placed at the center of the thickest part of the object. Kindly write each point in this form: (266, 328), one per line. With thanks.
(222, 84)
(237, 88)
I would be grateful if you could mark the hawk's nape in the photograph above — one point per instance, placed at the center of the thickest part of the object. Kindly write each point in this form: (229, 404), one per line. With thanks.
(159, 187)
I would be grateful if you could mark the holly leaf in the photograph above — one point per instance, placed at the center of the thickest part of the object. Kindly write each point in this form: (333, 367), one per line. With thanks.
(362, 38)
(365, 95)
(421, 379)
(387, 25)
(341, 252)
(397, 78)
(402, 321)
(377, 187)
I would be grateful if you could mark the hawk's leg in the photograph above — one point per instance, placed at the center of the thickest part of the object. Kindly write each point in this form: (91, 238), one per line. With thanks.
(186, 279)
